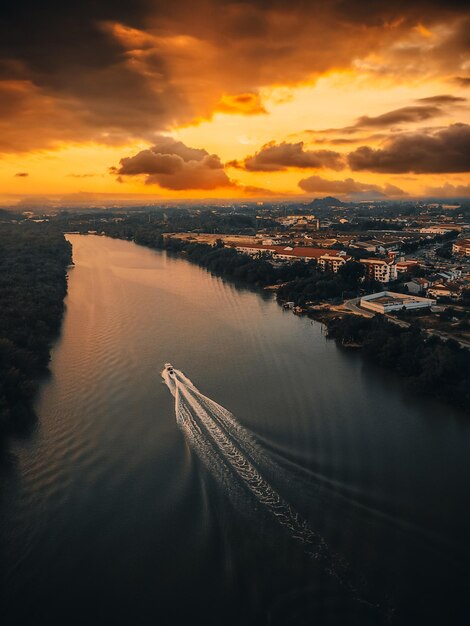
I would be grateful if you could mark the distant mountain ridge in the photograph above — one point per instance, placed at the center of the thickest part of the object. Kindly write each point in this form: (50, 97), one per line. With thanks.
(326, 202)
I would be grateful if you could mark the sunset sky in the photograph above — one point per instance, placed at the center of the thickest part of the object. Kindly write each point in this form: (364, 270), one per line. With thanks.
(222, 99)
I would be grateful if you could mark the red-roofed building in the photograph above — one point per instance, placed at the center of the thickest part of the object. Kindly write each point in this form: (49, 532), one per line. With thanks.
(406, 266)
(333, 262)
(331, 259)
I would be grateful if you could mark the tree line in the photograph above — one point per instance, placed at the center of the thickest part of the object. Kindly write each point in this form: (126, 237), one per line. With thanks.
(432, 366)
(33, 284)
(438, 368)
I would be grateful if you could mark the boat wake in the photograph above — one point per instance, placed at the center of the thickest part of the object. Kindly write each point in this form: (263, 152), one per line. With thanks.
(236, 460)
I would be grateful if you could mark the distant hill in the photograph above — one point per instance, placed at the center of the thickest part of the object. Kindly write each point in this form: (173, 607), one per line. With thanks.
(326, 202)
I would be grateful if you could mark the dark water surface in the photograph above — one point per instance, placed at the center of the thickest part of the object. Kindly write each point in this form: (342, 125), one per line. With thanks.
(109, 516)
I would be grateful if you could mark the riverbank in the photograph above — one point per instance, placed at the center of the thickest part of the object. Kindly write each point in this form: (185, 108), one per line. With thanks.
(33, 285)
(107, 479)
(430, 365)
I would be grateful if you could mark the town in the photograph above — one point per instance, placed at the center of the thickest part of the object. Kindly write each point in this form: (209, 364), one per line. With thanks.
(412, 259)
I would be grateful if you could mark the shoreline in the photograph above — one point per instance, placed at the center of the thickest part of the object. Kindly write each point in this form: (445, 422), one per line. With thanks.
(430, 365)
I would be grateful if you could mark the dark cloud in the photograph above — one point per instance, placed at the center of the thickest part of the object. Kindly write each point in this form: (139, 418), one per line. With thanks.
(449, 191)
(277, 157)
(442, 50)
(398, 116)
(348, 186)
(173, 165)
(21, 174)
(444, 151)
(258, 192)
(341, 141)
(442, 99)
(404, 115)
(373, 12)
(463, 81)
(111, 71)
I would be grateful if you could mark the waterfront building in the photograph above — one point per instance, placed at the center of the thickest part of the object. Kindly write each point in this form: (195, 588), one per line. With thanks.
(388, 301)
(332, 258)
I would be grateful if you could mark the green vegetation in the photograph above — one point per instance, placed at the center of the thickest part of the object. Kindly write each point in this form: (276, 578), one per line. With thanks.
(301, 282)
(153, 223)
(33, 284)
(431, 365)
(319, 286)
(228, 262)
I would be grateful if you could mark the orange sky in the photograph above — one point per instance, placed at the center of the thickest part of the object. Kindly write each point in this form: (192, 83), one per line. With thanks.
(236, 100)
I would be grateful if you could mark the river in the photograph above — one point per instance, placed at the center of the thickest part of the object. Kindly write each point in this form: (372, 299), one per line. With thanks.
(109, 514)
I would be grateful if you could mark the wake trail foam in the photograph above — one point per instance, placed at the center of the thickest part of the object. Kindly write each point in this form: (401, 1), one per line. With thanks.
(234, 457)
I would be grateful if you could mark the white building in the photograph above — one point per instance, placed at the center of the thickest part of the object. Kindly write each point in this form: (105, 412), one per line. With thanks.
(417, 285)
(461, 246)
(333, 261)
(382, 270)
(387, 301)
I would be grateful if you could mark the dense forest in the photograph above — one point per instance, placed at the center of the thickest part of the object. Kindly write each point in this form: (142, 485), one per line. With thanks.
(430, 365)
(33, 284)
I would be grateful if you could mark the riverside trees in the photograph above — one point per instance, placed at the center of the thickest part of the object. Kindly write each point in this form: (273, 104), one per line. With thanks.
(33, 262)
(430, 365)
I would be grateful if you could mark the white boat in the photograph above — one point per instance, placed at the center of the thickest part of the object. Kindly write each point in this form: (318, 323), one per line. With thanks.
(169, 369)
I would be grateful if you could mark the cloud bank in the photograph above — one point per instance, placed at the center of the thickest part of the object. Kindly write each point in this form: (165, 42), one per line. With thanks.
(444, 151)
(110, 72)
(348, 187)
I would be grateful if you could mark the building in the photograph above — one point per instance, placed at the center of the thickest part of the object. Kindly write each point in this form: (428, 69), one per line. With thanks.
(382, 270)
(435, 230)
(449, 274)
(301, 221)
(418, 285)
(388, 301)
(328, 260)
(461, 246)
(407, 266)
(368, 246)
(448, 290)
(392, 245)
(332, 261)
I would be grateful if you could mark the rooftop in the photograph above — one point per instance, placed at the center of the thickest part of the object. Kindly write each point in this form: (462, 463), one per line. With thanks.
(301, 252)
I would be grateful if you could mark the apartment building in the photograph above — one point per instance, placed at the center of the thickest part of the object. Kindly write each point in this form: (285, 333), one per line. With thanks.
(330, 260)
(382, 270)
(461, 246)
(333, 260)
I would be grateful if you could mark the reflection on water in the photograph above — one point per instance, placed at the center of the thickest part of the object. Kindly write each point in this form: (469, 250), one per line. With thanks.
(242, 468)
(108, 517)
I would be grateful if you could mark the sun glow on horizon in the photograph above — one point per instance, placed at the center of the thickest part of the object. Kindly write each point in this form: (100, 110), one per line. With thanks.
(162, 123)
